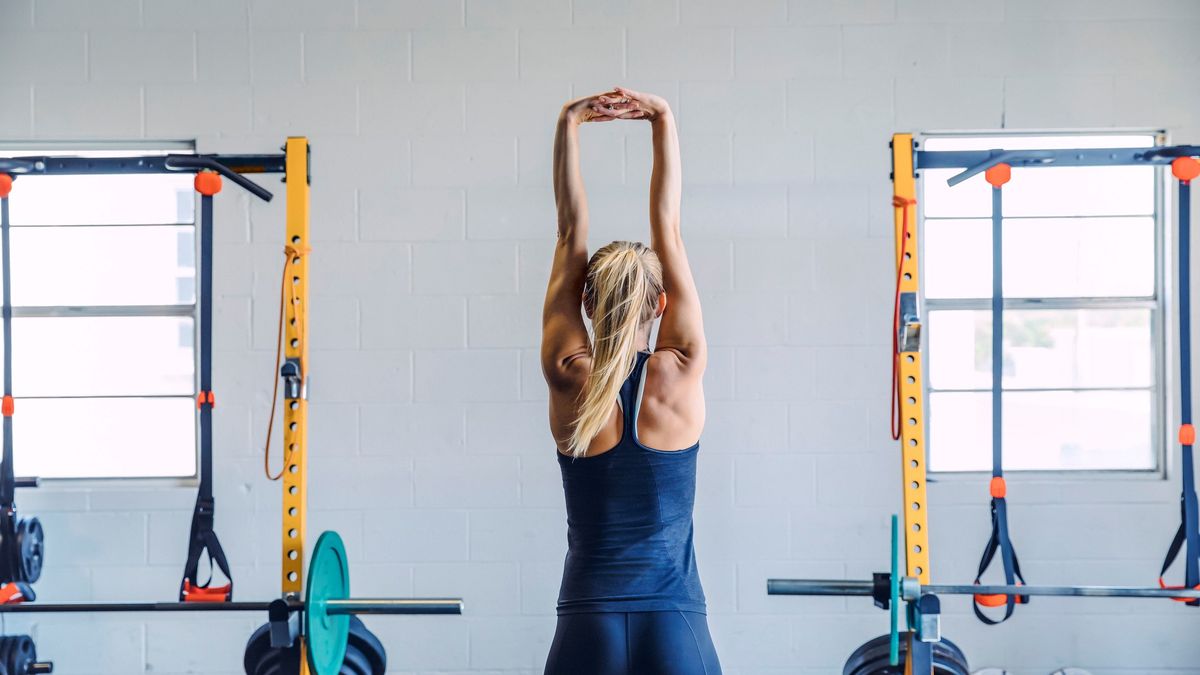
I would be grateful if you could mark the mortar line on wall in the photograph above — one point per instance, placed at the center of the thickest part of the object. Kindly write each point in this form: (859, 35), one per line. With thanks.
(195, 56)
(142, 110)
(87, 56)
(32, 109)
(409, 37)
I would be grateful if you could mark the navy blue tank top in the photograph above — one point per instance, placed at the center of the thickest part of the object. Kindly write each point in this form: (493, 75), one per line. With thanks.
(629, 523)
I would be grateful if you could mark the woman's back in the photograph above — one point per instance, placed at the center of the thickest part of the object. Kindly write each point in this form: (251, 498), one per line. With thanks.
(629, 516)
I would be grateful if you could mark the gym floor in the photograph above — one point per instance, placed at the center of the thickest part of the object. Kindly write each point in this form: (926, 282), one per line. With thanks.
(432, 226)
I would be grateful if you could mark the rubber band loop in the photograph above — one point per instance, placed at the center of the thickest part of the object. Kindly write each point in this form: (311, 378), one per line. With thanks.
(287, 294)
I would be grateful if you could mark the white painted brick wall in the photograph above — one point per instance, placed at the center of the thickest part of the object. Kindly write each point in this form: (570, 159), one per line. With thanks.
(433, 225)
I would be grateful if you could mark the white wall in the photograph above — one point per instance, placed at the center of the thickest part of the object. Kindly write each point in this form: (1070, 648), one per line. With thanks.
(431, 128)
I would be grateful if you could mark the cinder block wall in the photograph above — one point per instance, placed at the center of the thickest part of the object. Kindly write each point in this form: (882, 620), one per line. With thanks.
(431, 127)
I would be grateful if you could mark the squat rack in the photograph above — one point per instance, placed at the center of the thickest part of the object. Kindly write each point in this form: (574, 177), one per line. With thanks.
(912, 542)
(325, 605)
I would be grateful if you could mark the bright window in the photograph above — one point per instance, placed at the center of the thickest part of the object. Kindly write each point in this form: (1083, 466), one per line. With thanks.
(104, 319)
(1082, 362)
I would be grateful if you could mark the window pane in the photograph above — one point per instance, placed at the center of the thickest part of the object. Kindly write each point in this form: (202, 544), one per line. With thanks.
(1043, 431)
(79, 266)
(958, 258)
(1042, 349)
(110, 356)
(150, 199)
(1078, 257)
(1043, 258)
(128, 437)
(1062, 191)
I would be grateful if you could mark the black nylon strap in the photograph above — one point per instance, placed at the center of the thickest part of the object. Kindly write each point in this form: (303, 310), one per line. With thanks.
(202, 536)
(1012, 564)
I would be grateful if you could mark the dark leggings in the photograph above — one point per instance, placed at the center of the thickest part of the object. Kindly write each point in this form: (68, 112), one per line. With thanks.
(621, 643)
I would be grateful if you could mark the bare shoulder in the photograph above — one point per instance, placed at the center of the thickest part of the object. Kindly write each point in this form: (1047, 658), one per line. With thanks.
(672, 414)
(672, 365)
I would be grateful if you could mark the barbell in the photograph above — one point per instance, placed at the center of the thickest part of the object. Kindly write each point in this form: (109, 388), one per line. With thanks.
(911, 589)
(326, 607)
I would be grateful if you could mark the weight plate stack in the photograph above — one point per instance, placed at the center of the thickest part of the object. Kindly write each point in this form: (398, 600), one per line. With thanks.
(872, 658)
(31, 544)
(365, 642)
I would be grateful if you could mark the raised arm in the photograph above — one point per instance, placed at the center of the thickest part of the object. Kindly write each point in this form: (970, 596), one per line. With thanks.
(564, 336)
(682, 327)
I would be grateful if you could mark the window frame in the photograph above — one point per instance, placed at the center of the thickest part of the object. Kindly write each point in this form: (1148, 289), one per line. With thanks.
(1162, 345)
(131, 147)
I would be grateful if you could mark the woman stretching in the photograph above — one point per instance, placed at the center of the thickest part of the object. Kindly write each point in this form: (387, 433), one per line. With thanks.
(630, 600)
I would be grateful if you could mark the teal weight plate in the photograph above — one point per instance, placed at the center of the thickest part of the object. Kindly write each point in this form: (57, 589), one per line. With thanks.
(328, 579)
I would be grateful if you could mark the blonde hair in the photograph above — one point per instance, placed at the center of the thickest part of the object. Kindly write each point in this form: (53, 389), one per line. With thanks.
(624, 280)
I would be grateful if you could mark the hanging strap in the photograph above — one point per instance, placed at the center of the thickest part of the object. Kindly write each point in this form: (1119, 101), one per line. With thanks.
(7, 405)
(999, 541)
(1185, 169)
(202, 536)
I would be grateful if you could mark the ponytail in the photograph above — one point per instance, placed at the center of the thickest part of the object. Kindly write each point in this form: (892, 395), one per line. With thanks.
(623, 283)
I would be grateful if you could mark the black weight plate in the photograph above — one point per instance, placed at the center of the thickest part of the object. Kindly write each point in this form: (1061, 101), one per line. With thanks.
(370, 646)
(8, 645)
(256, 646)
(31, 541)
(21, 654)
(872, 658)
(355, 663)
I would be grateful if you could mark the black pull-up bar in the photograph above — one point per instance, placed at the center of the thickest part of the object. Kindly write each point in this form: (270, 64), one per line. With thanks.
(200, 162)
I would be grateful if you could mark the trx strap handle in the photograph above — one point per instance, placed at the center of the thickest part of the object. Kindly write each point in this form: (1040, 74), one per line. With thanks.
(1185, 169)
(999, 541)
(202, 536)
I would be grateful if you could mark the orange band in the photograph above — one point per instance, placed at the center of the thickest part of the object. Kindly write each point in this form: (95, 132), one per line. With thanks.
(5, 185)
(7, 406)
(206, 398)
(998, 175)
(997, 487)
(1187, 434)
